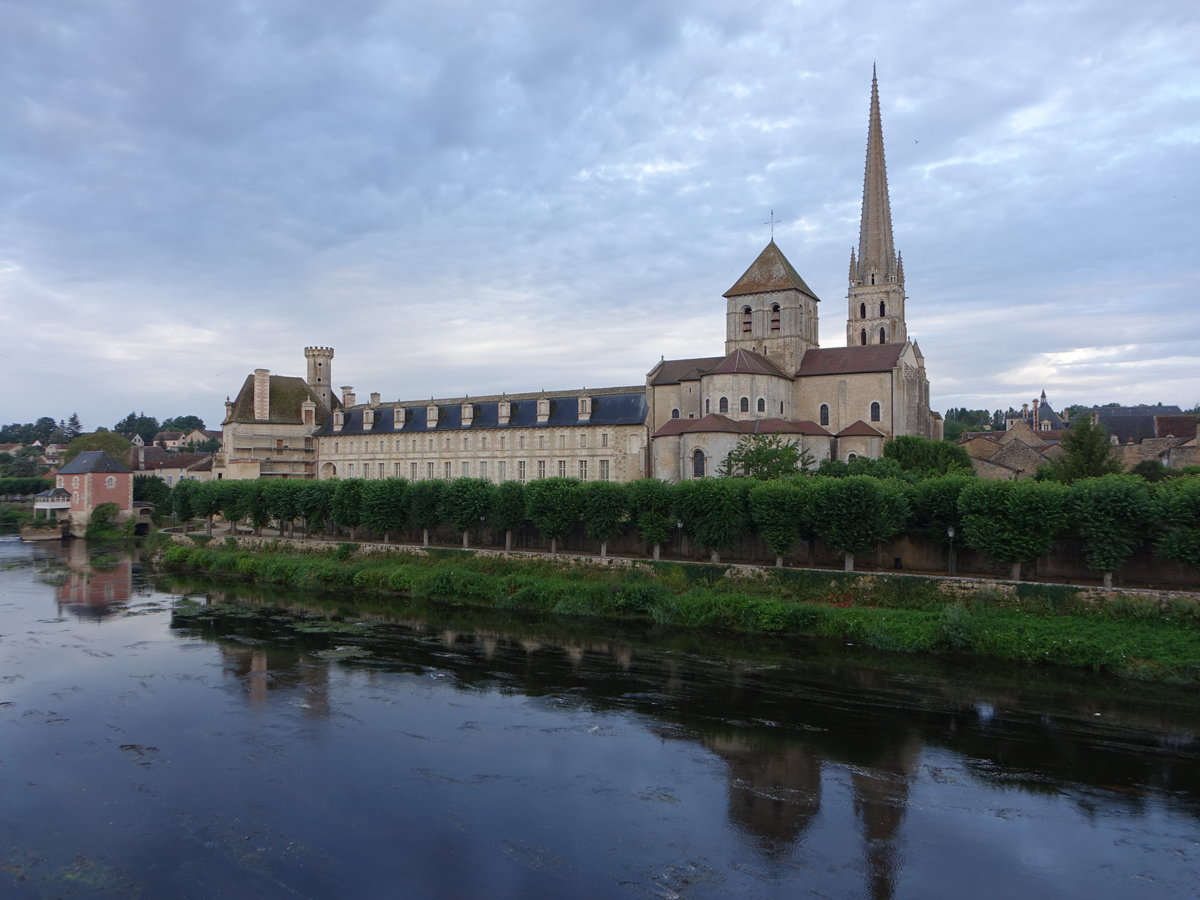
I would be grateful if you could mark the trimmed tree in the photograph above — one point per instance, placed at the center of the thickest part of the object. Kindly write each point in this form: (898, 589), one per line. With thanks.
(346, 505)
(1013, 521)
(651, 505)
(780, 511)
(553, 504)
(183, 505)
(283, 502)
(425, 506)
(508, 509)
(934, 509)
(254, 505)
(314, 499)
(854, 513)
(383, 505)
(466, 502)
(604, 508)
(1177, 505)
(713, 511)
(927, 458)
(206, 502)
(1112, 516)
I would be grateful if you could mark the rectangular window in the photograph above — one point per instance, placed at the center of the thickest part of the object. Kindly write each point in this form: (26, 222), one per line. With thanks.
(395, 470)
(604, 439)
(562, 468)
(466, 443)
(412, 471)
(541, 442)
(501, 442)
(381, 475)
(520, 470)
(414, 445)
(429, 471)
(583, 439)
(448, 468)
(466, 469)
(351, 470)
(604, 475)
(335, 446)
(541, 468)
(483, 442)
(521, 442)
(483, 469)
(562, 442)
(583, 470)
(501, 469)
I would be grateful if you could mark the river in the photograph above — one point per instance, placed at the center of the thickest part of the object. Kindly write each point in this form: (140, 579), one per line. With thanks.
(331, 747)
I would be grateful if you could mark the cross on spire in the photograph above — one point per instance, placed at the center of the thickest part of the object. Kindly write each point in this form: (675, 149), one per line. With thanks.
(772, 221)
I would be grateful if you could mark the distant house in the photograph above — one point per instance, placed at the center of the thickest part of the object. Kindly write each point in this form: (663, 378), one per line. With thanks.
(1013, 454)
(92, 478)
(170, 467)
(169, 440)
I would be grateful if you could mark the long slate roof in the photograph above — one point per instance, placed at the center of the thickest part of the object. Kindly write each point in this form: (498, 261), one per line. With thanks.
(607, 410)
(93, 461)
(850, 360)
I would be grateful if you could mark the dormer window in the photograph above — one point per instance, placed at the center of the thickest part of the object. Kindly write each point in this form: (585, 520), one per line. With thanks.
(747, 318)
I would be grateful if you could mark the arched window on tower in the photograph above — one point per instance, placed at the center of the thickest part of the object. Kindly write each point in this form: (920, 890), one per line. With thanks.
(824, 414)
(862, 337)
(774, 316)
(882, 309)
(723, 405)
(746, 319)
(862, 310)
(707, 407)
(674, 414)
(882, 335)
(875, 411)
(698, 464)
(745, 406)
(762, 405)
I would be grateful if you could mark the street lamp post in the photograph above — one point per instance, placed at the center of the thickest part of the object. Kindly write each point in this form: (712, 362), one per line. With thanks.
(950, 534)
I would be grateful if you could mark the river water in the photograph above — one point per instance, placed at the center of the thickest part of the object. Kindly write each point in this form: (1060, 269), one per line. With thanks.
(352, 749)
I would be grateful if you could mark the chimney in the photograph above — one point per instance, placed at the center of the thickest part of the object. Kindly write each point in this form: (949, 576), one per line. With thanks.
(1036, 415)
(374, 398)
(262, 394)
(347, 395)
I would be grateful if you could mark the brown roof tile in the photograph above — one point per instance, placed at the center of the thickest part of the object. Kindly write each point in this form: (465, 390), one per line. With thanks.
(848, 360)
(747, 362)
(771, 271)
(673, 371)
(859, 429)
(714, 422)
(1182, 426)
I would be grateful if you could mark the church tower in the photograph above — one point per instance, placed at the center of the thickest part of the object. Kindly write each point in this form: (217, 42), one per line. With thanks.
(770, 310)
(876, 296)
(320, 373)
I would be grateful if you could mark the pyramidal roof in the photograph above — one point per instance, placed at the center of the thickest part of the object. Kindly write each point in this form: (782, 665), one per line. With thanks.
(747, 362)
(876, 252)
(770, 272)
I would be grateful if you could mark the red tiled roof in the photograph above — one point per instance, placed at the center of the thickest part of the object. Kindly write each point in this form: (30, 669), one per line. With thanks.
(849, 360)
(1183, 426)
(747, 362)
(770, 272)
(859, 429)
(714, 422)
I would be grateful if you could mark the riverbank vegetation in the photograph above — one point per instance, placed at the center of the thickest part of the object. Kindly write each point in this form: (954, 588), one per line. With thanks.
(851, 509)
(1134, 636)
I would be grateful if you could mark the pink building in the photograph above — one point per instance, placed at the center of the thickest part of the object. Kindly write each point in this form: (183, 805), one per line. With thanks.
(91, 478)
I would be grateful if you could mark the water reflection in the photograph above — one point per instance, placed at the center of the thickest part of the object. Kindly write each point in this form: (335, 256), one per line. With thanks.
(821, 739)
(93, 588)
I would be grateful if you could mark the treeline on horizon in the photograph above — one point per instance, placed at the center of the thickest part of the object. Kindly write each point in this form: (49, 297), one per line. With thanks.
(1113, 516)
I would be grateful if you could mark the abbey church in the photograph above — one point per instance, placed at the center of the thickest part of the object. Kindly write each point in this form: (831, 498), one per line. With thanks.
(772, 378)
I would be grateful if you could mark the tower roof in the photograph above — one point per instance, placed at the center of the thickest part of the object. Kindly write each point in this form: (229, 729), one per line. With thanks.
(770, 272)
(876, 252)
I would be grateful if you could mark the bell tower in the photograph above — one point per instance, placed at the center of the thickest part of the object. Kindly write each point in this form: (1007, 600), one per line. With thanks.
(770, 310)
(320, 373)
(876, 295)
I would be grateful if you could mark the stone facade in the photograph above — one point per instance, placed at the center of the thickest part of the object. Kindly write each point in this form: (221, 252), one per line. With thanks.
(773, 377)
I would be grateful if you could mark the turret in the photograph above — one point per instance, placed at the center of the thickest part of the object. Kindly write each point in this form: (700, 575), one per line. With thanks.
(320, 373)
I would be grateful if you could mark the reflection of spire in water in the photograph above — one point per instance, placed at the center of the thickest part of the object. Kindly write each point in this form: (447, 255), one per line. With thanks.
(880, 801)
(774, 790)
(264, 672)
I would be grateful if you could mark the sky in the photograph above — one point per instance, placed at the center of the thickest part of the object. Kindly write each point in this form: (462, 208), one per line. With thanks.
(464, 198)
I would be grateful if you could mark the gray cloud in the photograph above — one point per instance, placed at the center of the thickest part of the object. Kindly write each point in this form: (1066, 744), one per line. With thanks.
(463, 197)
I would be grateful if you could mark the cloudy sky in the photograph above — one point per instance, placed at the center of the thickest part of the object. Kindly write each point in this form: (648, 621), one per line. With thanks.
(474, 197)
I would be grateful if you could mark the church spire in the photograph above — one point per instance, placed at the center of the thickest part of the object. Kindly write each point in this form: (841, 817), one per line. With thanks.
(876, 253)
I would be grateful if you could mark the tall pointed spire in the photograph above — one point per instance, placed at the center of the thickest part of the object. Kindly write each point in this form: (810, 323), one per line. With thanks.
(876, 253)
